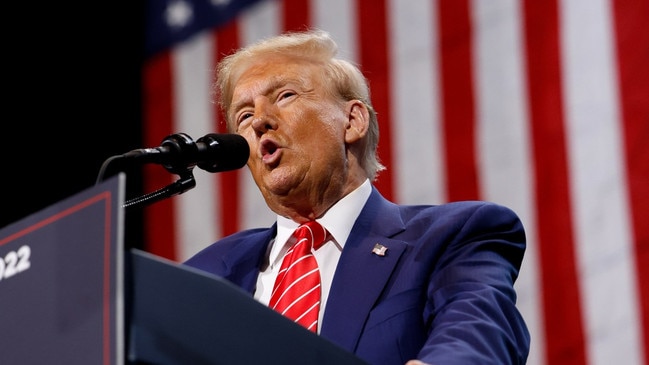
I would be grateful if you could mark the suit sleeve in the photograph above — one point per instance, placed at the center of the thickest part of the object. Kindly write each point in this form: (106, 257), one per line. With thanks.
(471, 301)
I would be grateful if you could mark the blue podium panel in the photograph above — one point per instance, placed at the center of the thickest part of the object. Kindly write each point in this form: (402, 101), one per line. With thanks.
(180, 315)
(61, 281)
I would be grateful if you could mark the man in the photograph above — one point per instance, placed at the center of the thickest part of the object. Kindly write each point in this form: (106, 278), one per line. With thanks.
(398, 283)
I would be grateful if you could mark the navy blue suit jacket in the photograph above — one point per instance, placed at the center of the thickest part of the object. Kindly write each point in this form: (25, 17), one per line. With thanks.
(443, 291)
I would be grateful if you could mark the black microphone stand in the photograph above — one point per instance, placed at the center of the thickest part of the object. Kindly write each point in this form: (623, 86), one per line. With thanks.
(181, 185)
(179, 154)
(179, 144)
(184, 183)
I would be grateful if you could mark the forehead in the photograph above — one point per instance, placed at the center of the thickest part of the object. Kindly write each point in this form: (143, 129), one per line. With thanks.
(264, 75)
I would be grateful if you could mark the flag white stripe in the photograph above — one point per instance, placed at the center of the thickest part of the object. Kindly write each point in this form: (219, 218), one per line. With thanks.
(261, 21)
(603, 239)
(338, 17)
(196, 221)
(416, 111)
(503, 140)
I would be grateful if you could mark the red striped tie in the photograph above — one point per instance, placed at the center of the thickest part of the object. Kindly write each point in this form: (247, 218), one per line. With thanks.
(296, 293)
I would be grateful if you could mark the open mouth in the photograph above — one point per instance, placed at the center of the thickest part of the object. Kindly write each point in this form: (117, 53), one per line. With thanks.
(269, 150)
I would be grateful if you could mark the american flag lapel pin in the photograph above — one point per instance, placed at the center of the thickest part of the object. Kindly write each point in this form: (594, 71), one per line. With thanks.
(379, 249)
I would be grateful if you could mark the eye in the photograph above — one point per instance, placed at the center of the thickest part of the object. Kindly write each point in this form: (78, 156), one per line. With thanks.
(285, 95)
(243, 117)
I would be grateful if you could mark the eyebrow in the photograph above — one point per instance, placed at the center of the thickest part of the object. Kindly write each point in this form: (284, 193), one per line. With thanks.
(275, 83)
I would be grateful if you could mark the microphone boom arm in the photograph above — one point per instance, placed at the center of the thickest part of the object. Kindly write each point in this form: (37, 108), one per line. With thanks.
(181, 185)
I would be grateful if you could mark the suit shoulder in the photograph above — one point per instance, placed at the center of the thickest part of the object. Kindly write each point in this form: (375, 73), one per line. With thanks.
(465, 207)
(248, 237)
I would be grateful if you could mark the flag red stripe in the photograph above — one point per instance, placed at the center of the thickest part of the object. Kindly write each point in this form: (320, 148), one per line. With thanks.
(561, 300)
(632, 35)
(374, 58)
(159, 227)
(296, 15)
(458, 114)
(227, 40)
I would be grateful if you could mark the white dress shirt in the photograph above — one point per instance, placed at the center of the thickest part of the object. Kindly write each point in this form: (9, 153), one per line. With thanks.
(338, 220)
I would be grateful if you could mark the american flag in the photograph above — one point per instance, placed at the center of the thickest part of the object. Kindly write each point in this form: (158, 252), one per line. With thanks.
(542, 106)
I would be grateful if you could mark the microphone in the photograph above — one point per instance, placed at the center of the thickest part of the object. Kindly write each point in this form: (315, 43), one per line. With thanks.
(213, 152)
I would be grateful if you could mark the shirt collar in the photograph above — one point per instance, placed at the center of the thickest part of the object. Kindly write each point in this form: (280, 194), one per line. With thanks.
(338, 220)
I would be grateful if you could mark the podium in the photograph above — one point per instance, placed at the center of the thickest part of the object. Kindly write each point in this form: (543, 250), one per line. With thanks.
(70, 294)
(182, 315)
(61, 282)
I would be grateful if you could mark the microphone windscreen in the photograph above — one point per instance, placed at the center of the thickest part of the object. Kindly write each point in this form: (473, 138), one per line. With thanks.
(224, 152)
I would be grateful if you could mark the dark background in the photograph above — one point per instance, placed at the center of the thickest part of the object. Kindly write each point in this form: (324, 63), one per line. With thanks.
(71, 99)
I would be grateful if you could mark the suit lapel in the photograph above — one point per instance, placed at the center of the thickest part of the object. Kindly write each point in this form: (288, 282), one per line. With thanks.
(245, 260)
(362, 274)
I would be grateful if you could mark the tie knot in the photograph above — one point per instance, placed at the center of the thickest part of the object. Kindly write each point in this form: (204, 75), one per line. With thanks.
(312, 231)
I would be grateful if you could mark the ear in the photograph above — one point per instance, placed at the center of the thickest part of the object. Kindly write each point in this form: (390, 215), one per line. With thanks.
(358, 121)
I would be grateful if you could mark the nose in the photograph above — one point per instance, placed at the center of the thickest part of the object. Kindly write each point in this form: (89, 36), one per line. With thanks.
(265, 116)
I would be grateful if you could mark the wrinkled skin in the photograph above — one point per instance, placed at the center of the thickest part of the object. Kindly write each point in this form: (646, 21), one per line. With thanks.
(304, 142)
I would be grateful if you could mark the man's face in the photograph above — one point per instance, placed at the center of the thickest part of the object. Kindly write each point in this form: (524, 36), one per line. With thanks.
(295, 129)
